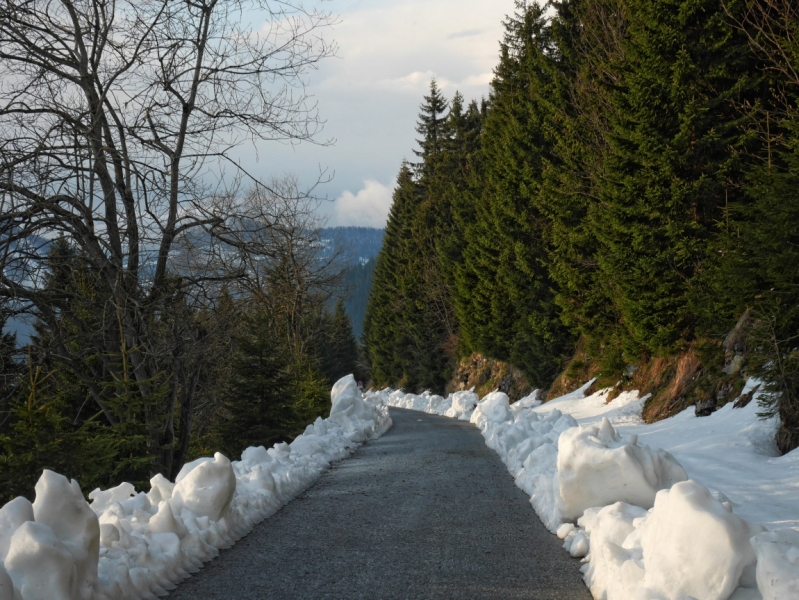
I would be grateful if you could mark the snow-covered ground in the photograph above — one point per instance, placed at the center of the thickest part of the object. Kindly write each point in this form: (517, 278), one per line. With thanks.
(732, 451)
(685, 508)
(136, 545)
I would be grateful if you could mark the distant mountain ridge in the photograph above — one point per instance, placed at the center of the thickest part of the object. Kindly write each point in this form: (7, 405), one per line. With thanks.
(359, 245)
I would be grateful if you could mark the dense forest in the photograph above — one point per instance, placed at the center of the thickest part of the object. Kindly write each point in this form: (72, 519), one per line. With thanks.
(628, 190)
(271, 355)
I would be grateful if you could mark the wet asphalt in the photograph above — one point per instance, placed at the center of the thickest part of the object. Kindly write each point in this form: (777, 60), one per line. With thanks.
(426, 511)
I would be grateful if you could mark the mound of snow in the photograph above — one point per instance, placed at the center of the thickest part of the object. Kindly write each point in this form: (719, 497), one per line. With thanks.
(693, 546)
(529, 401)
(596, 467)
(132, 545)
(616, 567)
(206, 490)
(494, 408)
(777, 563)
(462, 405)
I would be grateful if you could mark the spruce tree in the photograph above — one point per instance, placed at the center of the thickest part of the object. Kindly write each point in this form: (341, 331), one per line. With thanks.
(258, 406)
(669, 170)
(337, 351)
(385, 334)
(513, 313)
(431, 126)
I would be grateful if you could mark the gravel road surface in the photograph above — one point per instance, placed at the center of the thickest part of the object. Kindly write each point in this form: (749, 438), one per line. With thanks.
(426, 511)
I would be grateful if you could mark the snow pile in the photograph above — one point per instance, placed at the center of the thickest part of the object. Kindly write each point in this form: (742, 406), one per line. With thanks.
(462, 405)
(628, 509)
(596, 467)
(689, 545)
(130, 544)
(777, 563)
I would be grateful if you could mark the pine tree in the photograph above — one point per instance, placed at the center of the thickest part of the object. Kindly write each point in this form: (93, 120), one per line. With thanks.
(410, 319)
(258, 407)
(669, 170)
(386, 335)
(335, 348)
(431, 126)
(513, 316)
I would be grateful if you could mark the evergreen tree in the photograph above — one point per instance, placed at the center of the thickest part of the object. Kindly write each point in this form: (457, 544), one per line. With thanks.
(386, 335)
(334, 347)
(404, 331)
(456, 191)
(431, 126)
(258, 406)
(513, 315)
(669, 170)
(572, 80)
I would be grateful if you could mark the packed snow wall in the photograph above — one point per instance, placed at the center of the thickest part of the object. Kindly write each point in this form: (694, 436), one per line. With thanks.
(127, 545)
(642, 528)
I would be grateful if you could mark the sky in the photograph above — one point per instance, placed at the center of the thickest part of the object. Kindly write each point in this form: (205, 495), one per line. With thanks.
(369, 95)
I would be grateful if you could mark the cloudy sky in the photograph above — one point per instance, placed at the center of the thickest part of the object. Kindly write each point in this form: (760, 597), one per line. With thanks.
(370, 93)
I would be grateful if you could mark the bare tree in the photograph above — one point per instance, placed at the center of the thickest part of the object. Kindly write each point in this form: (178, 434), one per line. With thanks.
(772, 27)
(291, 274)
(118, 126)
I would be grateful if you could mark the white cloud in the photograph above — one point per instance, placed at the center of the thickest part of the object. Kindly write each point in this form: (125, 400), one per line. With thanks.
(478, 80)
(369, 96)
(417, 82)
(368, 208)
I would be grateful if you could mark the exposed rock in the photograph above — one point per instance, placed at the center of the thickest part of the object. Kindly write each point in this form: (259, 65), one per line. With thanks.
(746, 398)
(706, 407)
(486, 375)
(735, 365)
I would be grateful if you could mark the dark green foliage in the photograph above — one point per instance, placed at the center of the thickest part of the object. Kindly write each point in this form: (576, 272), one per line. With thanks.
(760, 263)
(258, 406)
(10, 367)
(386, 334)
(46, 428)
(50, 419)
(611, 188)
(507, 289)
(271, 393)
(334, 345)
(669, 169)
(431, 126)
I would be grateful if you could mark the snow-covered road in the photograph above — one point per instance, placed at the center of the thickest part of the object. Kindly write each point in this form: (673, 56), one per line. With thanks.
(426, 511)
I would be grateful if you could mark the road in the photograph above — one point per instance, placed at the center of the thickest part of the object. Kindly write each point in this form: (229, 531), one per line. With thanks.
(426, 511)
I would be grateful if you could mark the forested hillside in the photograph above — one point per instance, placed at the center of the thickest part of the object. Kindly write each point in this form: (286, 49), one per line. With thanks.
(627, 193)
(355, 244)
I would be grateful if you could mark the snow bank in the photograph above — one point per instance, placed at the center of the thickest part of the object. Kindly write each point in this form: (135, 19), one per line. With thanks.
(596, 467)
(777, 563)
(689, 545)
(628, 509)
(129, 545)
(462, 405)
